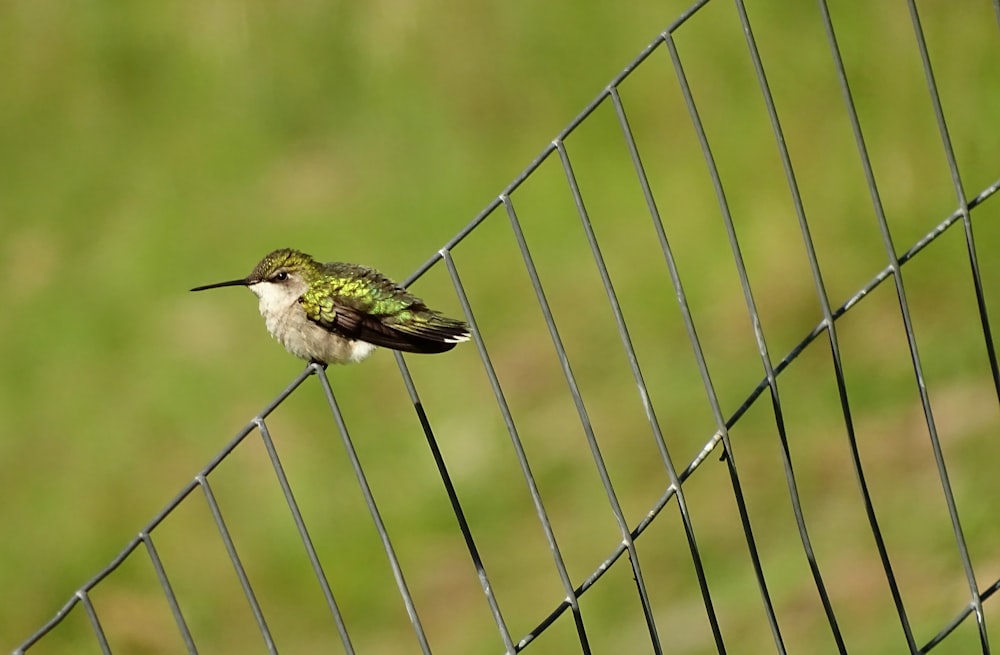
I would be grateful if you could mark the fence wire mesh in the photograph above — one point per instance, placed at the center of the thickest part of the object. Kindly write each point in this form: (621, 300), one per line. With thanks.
(674, 590)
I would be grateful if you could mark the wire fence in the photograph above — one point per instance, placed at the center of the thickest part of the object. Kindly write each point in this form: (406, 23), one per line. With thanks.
(659, 635)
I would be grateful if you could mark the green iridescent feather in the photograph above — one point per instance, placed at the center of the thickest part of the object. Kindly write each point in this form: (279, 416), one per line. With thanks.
(358, 302)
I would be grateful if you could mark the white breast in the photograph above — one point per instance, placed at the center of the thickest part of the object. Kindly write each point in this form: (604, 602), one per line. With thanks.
(286, 321)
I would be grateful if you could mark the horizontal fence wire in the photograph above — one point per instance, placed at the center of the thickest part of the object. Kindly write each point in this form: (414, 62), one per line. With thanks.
(559, 151)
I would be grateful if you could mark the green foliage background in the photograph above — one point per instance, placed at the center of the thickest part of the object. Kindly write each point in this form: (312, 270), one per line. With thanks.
(149, 147)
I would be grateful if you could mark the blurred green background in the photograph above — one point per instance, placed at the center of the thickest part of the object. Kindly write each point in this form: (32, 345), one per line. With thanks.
(147, 148)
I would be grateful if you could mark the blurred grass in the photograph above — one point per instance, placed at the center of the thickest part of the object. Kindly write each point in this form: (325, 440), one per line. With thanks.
(145, 149)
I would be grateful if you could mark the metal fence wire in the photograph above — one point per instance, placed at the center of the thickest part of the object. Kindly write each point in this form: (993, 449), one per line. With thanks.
(677, 574)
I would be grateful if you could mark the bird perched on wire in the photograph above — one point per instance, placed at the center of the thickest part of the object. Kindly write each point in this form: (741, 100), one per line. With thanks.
(337, 313)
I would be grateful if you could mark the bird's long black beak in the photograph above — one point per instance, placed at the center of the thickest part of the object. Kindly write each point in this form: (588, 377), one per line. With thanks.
(230, 283)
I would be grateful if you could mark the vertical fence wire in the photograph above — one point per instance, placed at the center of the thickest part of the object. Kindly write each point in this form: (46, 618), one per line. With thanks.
(582, 415)
(907, 318)
(383, 533)
(975, 600)
(713, 398)
(307, 543)
(956, 178)
(95, 622)
(770, 375)
(241, 574)
(168, 592)
(675, 481)
(626, 342)
(828, 325)
(522, 458)
(456, 505)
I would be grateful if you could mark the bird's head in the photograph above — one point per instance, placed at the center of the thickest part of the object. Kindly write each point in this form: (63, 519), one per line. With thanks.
(281, 276)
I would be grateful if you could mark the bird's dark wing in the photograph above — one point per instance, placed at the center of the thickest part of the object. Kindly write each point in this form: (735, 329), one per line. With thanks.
(361, 303)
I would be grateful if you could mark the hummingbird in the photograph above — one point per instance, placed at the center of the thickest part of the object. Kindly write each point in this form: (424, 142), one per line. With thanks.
(337, 313)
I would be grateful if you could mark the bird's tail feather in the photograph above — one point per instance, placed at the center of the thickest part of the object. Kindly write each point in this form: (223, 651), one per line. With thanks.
(433, 334)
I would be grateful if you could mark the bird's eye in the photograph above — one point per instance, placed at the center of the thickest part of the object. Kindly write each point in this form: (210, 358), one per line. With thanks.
(281, 276)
